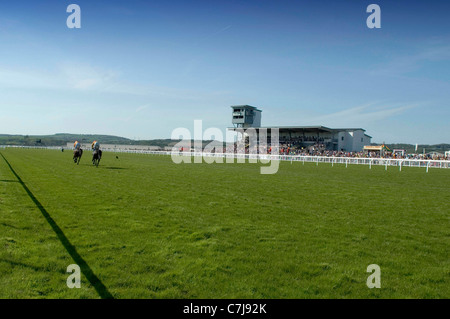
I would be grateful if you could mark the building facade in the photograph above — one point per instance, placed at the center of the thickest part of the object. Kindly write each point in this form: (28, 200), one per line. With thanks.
(301, 137)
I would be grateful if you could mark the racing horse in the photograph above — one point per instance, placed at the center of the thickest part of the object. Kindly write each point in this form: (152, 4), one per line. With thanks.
(96, 157)
(77, 155)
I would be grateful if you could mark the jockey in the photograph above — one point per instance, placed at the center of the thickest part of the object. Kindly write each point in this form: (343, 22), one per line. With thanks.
(77, 145)
(95, 145)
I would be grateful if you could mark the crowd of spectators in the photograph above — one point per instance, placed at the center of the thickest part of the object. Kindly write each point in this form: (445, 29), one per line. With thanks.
(300, 140)
(319, 149)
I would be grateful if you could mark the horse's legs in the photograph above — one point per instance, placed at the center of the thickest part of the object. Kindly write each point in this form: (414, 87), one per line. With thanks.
(99, 157)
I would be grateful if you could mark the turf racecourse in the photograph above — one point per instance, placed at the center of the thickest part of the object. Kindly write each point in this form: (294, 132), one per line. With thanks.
(142, 227)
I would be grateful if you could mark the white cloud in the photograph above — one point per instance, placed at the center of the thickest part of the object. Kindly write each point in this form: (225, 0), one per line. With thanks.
(86, 77)
(403, 64)
(141, 108)
(66, 76)
(361, 115)
(27, 79)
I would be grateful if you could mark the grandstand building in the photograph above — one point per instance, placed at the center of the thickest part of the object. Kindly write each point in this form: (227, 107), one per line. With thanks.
(245, 116)
(302, 137)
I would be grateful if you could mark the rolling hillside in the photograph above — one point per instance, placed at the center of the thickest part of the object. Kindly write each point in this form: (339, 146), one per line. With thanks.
(60, 139)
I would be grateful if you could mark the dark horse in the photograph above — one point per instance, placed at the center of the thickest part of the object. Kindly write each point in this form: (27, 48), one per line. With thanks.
(77, 155)
(96, 157)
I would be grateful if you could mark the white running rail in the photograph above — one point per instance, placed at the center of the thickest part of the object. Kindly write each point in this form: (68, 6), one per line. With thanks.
(292, 158)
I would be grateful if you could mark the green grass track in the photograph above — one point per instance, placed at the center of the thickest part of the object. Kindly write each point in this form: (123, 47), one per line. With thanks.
(144, 227)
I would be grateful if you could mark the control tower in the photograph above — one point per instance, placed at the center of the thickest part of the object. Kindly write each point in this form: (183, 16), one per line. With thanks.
(245, 116)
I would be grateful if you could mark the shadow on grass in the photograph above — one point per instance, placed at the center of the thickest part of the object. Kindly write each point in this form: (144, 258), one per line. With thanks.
(102, 167)
(17, 264)
(84, 267)
(9, 225)
(8, 181)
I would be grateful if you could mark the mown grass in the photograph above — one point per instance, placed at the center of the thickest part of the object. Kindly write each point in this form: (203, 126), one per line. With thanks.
(148, 228)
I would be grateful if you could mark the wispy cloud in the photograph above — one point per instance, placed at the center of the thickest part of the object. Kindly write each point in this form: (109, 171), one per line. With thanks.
(215, 33)
(132, 115)
(361, 115)
(67, 76)
(223, 29)
(141, 108)
(10, 78)
(86, 77)
(194, 63)
(403, 64)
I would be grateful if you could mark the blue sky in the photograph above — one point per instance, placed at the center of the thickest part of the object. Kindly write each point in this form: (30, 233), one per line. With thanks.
(140, 69)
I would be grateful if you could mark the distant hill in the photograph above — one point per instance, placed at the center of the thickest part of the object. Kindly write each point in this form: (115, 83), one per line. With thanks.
(61, 139)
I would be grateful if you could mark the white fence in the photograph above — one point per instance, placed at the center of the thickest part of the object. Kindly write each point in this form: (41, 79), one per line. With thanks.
(386, 162)
(35, 147)
(333, 160)
(315, 159)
